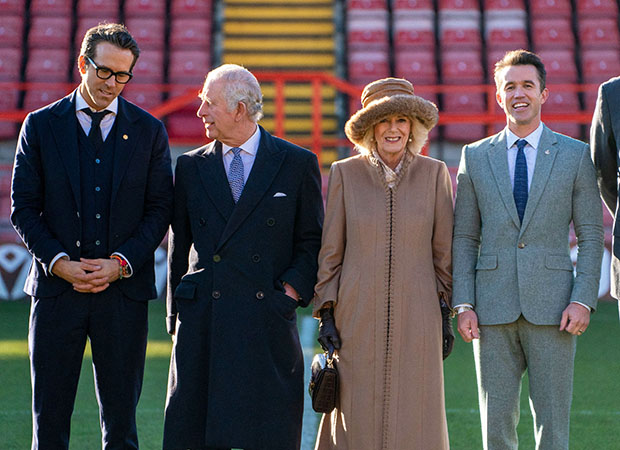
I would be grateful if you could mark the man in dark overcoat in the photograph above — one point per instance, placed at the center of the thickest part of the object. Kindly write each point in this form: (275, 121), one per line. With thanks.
(92, 200)
(244, 241)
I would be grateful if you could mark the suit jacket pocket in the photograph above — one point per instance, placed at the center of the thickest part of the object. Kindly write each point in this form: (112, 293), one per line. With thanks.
(558, 262)
(186, 290)
(487, 262)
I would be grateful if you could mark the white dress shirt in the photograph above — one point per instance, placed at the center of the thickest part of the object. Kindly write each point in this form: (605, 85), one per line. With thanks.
(85, 120)
(530, 150)
(248, 154)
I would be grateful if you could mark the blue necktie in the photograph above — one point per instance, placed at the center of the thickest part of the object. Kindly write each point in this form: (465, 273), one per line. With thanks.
(235, 174)
(520, 182)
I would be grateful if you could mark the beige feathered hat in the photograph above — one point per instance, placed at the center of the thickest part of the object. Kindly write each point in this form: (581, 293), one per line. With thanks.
(387, 97)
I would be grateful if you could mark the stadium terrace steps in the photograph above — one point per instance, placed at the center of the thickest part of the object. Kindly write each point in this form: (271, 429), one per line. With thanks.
(279, 35)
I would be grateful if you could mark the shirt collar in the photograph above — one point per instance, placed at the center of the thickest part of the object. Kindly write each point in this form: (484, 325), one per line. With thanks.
(250, 146)
(532, 139)
(80, 103)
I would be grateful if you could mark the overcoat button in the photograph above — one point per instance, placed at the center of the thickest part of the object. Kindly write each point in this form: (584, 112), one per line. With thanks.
(215, 294)
(217, 258)
(256, 258)
(521, 245)
(260, 295)
(77, 244)
(202, 222)
(271, 222)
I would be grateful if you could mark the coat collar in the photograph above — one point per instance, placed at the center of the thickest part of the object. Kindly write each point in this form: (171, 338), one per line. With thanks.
(547, 151)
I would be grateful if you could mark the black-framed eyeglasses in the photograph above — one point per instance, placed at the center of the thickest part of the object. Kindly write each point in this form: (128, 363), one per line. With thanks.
(104, 73)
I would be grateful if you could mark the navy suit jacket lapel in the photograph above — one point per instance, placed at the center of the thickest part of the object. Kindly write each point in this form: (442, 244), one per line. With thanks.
(214, 180)
(127, 139)
(268, 161)
(498, 158)
(64, 129)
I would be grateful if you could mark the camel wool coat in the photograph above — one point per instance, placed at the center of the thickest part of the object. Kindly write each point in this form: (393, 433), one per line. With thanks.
(384, 259)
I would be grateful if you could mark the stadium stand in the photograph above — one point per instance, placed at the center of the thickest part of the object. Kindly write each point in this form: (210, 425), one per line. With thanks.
(431, 42)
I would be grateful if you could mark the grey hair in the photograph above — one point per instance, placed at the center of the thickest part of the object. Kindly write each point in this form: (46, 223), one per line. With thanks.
(241, 86)
(418, 136)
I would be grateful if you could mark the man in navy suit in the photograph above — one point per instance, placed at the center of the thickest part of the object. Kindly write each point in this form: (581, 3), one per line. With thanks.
(246, 232)
(91, 199)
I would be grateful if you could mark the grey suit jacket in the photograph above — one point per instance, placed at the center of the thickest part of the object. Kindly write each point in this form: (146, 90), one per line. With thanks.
(505, 268)
(605, 147)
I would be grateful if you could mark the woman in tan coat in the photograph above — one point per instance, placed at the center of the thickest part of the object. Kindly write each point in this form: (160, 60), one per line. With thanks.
(385, 261)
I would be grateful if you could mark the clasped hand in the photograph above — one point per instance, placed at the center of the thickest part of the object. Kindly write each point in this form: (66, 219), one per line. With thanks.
(88, 275)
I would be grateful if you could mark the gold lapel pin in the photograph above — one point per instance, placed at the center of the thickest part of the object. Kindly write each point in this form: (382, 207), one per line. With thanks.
(125, 137)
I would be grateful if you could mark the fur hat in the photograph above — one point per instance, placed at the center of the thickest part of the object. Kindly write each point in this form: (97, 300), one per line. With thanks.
(387, 97)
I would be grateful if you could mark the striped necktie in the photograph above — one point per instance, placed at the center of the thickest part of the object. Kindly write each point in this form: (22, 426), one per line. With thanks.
(235, 174)
(520, 190)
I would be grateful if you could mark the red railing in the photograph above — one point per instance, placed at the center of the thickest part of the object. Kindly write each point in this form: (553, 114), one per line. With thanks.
(318, 79)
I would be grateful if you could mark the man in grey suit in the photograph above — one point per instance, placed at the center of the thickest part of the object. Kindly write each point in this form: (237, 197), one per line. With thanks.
(605, 147)
(514, 288)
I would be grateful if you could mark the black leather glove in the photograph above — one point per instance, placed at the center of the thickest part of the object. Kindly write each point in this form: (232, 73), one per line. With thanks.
(328, 334)
(447, 331)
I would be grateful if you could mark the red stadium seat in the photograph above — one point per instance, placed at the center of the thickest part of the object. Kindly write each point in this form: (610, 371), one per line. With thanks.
(183, 90)
(550, 8)
(599, 65)
(552, 34)
(145, 8)
(8, 102)
(599, 33)
(597, 8)
(50, 32)
(37, 98)
(185, 125)
(188, 66)
(10, 64)
(562, 102)
(407, 6)
(86, 23)
(144, 98)
(461, 67)
(12, 7)
(462, 5)
(47, 65)
(366, 4)
(504, 5)
(98, 8)
(51, 8)
(149, 33)
(11, 28)
(367, 66)
(414, 31)
(560, 65)
(191, 8)
(460, 32)
(364, 32)
(506, 34)
(462, 103)
(190, 34)
(150, 67)
(417, 65)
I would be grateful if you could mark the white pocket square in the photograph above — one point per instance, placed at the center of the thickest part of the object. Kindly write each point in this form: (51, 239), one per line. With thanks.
(279, 194)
